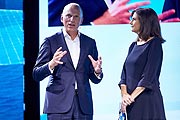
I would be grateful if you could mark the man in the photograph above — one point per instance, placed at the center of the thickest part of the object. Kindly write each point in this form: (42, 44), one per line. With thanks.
(70, 59)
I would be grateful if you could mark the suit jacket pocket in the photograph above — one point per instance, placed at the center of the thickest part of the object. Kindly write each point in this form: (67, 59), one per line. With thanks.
(55, 88)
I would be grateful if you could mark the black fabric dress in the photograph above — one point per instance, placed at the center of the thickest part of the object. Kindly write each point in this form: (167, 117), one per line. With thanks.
(142, 68)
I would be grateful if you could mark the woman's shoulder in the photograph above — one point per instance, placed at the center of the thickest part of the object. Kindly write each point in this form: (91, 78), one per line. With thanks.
(158, 40)
(155, 43)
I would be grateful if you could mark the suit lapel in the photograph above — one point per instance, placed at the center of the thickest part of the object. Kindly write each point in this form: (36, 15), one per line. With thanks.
(82, 49)
(62, 43)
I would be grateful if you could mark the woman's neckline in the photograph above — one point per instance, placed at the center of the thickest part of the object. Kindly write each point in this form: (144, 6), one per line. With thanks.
(142, 42)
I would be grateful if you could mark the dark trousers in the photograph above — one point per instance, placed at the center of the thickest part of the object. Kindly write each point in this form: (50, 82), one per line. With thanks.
(74, 113)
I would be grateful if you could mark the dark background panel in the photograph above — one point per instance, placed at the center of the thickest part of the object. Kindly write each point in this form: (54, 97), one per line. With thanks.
(31, 46)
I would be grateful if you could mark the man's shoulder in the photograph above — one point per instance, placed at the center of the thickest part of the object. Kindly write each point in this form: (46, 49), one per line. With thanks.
(54, 36)
(82, 35)
(53, 39)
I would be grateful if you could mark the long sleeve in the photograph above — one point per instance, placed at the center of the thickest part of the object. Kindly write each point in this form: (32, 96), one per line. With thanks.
(152, 69)
(123, 73)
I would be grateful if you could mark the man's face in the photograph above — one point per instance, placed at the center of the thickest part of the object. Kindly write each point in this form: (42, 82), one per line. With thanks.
(71, 19)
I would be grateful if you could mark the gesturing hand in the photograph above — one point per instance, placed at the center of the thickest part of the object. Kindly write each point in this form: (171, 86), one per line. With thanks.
(96, 64)
(162, 17)
(118, 12)
(57, 58)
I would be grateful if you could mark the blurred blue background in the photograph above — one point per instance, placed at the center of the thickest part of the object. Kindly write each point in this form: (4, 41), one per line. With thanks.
(11, 60)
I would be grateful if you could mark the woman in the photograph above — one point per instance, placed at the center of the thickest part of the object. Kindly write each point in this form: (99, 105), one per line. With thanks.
(141, 95)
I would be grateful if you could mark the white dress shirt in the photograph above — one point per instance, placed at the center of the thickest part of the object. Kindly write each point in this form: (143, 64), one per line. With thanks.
(74, 49)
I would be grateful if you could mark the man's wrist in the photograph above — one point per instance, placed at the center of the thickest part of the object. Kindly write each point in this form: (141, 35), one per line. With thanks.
(50, 67)
(98, 73)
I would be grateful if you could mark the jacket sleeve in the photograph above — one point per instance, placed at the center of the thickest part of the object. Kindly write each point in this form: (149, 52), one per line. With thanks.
(41, 70)
(92, 75)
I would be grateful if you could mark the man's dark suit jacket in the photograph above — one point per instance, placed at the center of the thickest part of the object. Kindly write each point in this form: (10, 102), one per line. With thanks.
(92, 9)
(61, 87)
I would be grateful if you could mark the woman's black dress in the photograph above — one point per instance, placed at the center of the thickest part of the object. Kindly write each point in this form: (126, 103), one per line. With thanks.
(142, 68)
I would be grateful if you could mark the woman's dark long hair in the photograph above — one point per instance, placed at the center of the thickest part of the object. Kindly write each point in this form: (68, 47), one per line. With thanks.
(149, 23)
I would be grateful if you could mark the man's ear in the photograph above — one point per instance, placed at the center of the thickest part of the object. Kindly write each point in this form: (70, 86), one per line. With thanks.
(81, 21)
(61, 18)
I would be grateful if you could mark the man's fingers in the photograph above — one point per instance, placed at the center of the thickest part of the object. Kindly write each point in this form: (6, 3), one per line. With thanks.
(139, 4)
(58, 62)
(135, 5)
(59, 49)
(172, 20)
(100, 58)
(91, 58)
(166, 14)
(120, 2)
(63, 53)
(123, 8)
(100, 61)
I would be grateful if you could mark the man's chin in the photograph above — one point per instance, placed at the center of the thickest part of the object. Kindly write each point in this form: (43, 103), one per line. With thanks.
(71, 29)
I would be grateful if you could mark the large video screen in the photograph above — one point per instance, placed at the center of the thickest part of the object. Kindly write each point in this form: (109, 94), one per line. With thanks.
(11, 60)
(113, 40)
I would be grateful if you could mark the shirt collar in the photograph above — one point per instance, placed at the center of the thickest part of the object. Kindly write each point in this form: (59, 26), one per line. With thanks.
(66, 35)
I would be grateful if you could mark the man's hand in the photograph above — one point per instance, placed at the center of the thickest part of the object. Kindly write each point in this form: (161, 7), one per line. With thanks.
(57, 58)
(118, 13)
(96, 64)
(162, 17)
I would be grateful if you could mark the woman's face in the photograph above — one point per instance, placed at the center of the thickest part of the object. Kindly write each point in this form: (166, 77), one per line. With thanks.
(135, 23)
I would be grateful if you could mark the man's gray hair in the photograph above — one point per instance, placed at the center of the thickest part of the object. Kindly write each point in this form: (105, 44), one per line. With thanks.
(75, 5)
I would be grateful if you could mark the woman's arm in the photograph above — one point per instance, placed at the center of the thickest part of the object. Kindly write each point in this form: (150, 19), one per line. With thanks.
(137, 92)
